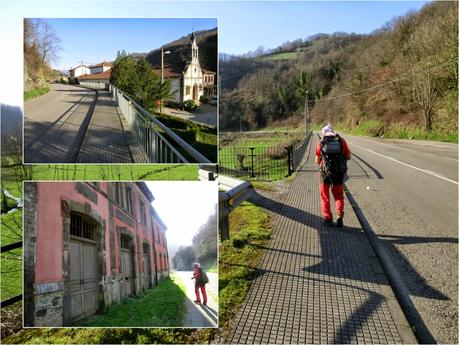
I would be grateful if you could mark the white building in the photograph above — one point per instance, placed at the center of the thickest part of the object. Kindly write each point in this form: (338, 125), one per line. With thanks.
(79, 70)
(100, 67)
(188, 79)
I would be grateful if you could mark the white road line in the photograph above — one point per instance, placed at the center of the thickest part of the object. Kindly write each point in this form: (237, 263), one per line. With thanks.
(432, 173)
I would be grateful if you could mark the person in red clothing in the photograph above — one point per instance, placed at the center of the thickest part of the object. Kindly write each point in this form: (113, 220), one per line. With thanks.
(332, 152)
(199, 284)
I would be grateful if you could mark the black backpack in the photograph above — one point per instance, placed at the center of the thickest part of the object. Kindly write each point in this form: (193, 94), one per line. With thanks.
(334, 165)
(204, 277)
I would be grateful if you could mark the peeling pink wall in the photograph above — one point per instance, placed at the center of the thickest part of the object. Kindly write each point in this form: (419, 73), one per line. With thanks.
(49, 243)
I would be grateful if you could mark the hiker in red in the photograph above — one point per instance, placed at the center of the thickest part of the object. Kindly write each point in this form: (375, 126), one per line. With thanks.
(332, 152)
(199, 284)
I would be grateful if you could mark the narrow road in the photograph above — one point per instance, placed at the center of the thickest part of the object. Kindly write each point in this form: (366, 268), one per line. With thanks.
(408, 191)
(54, 124)
(74, 124)
(199, 315)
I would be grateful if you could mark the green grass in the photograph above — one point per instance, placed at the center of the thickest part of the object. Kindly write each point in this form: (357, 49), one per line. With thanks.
(162, 306)
(249, 228)
(202, 138)
(376, 128)
(38, 91)
(269, 164)
(115, 172)
(280, 56)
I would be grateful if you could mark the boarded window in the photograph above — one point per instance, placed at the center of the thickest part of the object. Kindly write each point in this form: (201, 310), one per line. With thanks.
(80, 227)
(125, 242)
(143, 215)
(129, 200)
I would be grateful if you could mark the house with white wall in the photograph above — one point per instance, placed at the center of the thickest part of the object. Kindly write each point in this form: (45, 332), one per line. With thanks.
(79, 70)
(188, 79)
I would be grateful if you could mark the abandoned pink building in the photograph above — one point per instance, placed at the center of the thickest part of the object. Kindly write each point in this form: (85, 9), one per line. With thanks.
(87, 246)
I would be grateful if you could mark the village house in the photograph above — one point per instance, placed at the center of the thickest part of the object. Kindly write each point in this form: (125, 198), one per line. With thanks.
(87, 246)
(188, 79)
(95, 76)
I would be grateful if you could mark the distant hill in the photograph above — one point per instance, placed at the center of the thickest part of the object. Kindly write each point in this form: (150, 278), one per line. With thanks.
(398, 81)
(207, 41)
(11, 126)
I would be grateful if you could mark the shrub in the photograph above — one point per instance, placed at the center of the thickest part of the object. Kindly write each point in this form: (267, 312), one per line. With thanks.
(204, 99)
(190, 104)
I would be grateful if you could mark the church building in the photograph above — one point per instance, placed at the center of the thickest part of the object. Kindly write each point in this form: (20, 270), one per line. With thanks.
(188, 79)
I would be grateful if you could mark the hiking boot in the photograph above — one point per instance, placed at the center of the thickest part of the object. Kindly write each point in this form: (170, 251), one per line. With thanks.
(339, 222)
(205, 303)
(328, 223)
(197, 302)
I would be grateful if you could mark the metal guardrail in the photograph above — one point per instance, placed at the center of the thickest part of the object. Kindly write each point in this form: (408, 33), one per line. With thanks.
(155, 145)
(233, 193)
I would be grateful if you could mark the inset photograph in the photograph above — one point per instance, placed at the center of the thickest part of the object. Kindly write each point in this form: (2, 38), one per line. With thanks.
(120, 90)
(120, 254)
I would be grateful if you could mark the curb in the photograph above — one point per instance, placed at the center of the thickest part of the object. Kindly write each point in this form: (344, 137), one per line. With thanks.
(78, 141)
(412, 327)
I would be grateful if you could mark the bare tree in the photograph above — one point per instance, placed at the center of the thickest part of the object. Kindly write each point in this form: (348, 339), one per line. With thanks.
(425, 94)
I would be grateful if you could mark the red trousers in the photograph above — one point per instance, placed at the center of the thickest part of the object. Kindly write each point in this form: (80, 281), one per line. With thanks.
(203, 291)
(338, 195)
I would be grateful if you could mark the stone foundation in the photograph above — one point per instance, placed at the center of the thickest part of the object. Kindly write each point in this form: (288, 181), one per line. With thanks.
(49, 304)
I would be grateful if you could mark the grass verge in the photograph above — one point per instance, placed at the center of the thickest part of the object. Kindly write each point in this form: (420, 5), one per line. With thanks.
(376, 128)
(239, 256)
(162, 306)
(33, 93)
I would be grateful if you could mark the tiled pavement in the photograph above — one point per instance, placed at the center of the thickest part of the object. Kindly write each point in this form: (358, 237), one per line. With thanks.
(108, 139)
(318, 284)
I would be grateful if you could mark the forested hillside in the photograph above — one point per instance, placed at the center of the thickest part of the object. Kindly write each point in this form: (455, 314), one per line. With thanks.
(41, 46)
(207, 42)
(400, 80)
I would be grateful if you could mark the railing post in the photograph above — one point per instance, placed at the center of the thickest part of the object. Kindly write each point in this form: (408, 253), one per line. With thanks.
(224, 228)
(290, 160)
(251, 155)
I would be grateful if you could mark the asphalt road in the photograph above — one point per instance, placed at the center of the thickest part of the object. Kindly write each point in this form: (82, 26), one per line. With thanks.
(53, 124)
(408, 191)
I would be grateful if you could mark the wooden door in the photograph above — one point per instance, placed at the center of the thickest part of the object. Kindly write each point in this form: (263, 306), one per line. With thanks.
(147, 270)
(84, 278)
(127, 267)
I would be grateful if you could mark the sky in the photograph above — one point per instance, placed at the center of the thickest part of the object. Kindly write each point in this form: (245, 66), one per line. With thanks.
(243, 25)
(183, 206)
(96, 40)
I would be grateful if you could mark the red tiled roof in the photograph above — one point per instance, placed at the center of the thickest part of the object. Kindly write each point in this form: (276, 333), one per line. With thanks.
(97, 76)
(206, 71)
(104, 63)
(171, 70)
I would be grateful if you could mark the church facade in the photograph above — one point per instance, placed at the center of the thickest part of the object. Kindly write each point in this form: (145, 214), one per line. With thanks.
(188, 79)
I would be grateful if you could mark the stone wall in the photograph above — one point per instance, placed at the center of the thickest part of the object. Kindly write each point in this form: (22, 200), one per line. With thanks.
(49, 304)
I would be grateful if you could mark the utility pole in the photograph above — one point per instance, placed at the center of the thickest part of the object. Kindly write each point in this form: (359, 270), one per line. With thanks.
(162, 74)
(306, 113)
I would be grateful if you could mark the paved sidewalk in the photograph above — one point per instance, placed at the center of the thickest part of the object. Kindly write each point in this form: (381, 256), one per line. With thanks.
(318, 284)
(199, 315)
(108, 138)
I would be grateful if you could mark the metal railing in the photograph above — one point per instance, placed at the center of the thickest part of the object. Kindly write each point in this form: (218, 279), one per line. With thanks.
(254, 162)
(297, 152)
(262, 162)
(232, 193)
(17, 298)
(145, 126)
